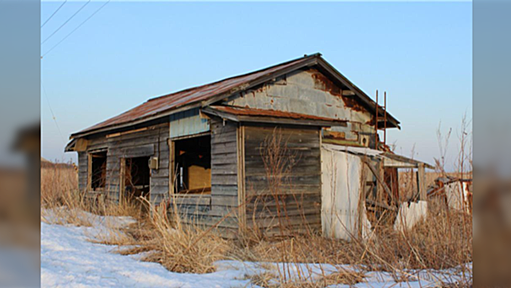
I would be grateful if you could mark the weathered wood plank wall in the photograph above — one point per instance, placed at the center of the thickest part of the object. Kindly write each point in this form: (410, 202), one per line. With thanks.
(221, 207)
(224, 174)
(149, 142)
(299, 195)
(297, 186)
(82, 170)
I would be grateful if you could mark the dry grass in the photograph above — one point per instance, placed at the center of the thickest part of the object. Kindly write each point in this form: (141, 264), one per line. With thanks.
(443, 240)
(59, 189)
(179, 248)
(269, 279)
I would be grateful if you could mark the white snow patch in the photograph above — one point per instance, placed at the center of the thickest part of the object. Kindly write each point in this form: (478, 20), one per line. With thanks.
(69, 260)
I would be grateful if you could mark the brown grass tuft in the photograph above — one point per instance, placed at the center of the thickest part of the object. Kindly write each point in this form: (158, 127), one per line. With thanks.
(442, 240)
(179, 248)
(269, 279)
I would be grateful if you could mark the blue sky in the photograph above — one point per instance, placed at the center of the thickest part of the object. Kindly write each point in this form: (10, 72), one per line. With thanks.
(420, 53)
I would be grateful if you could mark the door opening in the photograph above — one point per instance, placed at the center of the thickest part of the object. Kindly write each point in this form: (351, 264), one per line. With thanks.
(98, 171)
(137, 177)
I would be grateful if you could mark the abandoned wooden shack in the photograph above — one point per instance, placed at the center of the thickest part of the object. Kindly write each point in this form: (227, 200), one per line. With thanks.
(251, 151)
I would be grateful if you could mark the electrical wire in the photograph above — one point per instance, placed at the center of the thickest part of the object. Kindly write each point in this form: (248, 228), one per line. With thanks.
(75, 29)
(54, 13)
(53, 115)
(66, 22)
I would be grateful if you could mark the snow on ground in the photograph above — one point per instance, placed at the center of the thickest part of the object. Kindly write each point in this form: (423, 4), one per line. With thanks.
(69, 260)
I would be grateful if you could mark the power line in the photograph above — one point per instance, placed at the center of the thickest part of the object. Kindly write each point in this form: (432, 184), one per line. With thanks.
(75, 29)
(66, 22)
(53, 115)
(54, 13)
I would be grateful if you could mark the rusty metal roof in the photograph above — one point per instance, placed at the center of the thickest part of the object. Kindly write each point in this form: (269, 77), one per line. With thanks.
(241, 111)
(206, 94)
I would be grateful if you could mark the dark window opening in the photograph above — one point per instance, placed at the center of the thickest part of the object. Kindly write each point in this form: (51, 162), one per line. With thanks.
(98, 173)
(193, 165)
(137, 177)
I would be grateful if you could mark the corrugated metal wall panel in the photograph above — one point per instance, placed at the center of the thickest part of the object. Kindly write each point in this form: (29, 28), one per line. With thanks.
(340, 209)
(188, 122)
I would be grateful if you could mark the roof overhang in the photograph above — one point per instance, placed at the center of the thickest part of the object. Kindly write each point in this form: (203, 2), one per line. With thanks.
(78, 145)
(274, 72)
(389, 159)
(239, 114)
(328, 69)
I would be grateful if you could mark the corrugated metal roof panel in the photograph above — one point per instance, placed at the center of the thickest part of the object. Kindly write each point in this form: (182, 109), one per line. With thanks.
(193, 95)
(164, 105)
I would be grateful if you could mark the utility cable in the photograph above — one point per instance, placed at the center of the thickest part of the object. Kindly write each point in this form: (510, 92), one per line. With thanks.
(54, 13)
(75, 29)
(65, 22)
(53, 115)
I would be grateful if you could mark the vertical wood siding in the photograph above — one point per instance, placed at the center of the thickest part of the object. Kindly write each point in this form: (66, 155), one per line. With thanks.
(300, 192)
(82, 171)
(224, 172)
(219, 208)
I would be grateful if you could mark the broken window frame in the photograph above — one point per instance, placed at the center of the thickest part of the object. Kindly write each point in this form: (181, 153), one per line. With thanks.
(174, 169)
(92, 174)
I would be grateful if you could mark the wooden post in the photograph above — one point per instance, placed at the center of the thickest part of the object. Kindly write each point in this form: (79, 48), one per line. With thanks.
(242, 208)
(421, 174)
(122, 180)
(385, 118)
(380, 181)
(89, 172)
(381, 176)
(376, 124)
(170, 143)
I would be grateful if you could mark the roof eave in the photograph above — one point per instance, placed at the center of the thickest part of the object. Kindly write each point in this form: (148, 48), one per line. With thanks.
(273, 120)
(361, 94)
(314, 59)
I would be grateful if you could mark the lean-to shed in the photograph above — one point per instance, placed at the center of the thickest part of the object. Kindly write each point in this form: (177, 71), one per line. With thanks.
(243, 152)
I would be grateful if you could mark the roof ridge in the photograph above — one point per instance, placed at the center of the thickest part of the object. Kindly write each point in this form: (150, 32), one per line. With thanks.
(317, 54)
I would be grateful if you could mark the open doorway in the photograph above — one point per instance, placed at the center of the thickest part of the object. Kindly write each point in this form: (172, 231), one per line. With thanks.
(192, 158)
(136, 178)
(98, 171)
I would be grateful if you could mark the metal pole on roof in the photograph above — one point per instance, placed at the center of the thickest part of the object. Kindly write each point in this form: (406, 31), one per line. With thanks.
(385, 118)
(376, 124)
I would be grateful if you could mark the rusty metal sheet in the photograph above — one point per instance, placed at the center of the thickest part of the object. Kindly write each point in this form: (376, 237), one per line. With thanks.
(241, 111)
(163, 103)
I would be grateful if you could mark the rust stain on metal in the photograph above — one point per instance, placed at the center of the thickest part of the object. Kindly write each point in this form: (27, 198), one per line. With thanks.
(323, 83)
(371, 121)
(334, 135)
(272, 113)
(353, 104)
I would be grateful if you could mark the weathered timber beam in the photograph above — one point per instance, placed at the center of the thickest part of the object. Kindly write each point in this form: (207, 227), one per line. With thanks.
(382, 205)
(380, 181)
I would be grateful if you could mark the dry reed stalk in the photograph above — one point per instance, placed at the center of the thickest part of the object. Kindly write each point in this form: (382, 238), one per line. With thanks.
(179, 248)
(443, 240)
